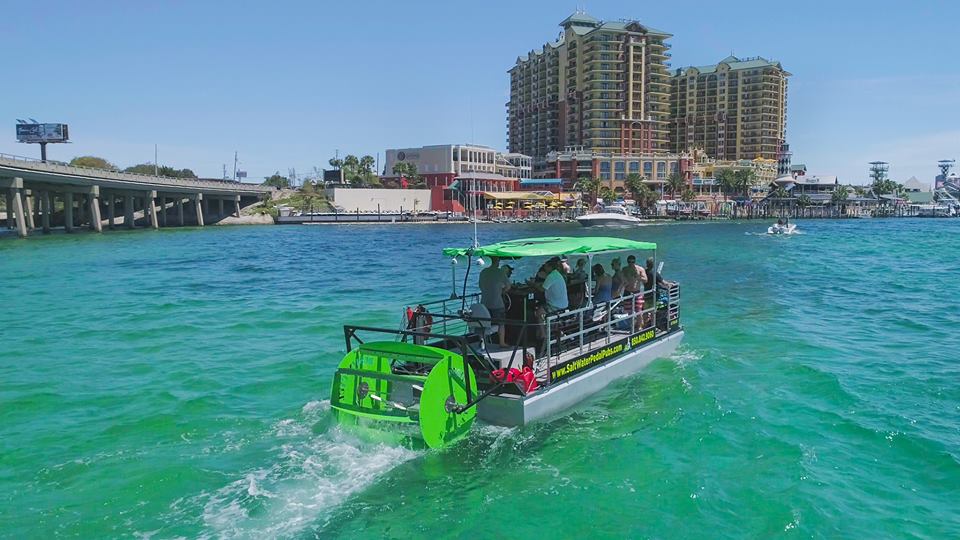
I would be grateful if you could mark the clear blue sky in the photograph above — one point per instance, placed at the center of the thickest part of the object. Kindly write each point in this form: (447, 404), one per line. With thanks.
(287, 83)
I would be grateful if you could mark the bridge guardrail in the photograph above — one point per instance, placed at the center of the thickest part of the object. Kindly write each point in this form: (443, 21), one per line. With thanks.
(60, 167)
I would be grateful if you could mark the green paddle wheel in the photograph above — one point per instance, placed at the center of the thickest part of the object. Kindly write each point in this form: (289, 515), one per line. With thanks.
(384, 383)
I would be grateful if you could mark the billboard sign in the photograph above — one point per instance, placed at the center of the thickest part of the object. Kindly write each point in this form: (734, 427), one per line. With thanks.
(42, 133)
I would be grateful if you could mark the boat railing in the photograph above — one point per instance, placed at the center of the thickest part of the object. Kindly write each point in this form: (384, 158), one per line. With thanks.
(583, 328)
(445, 313)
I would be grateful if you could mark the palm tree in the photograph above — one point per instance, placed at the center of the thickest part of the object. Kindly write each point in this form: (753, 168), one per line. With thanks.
(589, 186)
(336, 163)
(744, 180)
(803, 201)
(779, 193)
(675, 183)
(727, 180)
(607, 194)
(839, 198)
(634, 184)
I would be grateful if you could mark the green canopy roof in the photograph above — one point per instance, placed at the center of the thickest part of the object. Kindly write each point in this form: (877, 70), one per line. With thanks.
(553, 245)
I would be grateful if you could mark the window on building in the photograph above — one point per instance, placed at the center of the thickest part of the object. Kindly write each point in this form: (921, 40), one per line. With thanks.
(661, 170)
(619, 166)
(647, 168)
(605, 166)
(635, 166)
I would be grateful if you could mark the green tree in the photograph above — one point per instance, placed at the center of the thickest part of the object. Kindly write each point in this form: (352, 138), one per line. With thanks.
(676, 183)
(367, 175)
(336, 163)
(607, 194)
(588, 186)
(93, 162)
(727, 180)
(803, 202)
(839, 195)
(163, 170)
(277, 181)
(743, 180)
(634, 184)
(409, 171)
(687, 195)
(839, 198)
(647, 198)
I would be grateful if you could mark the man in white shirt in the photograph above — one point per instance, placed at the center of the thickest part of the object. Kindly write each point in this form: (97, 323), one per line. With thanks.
(555, 287)
(494, 282)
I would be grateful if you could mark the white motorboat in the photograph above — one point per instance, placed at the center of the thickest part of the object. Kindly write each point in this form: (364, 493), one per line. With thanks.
(615, 216)
(779, 228)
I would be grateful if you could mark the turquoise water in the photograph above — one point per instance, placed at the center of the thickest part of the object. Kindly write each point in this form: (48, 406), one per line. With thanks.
(174, 384)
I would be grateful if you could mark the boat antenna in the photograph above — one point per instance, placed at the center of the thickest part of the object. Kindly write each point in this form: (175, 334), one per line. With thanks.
(476, 239)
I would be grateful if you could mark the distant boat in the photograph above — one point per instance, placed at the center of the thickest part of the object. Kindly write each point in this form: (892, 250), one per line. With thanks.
(615, 216)
(779, 228)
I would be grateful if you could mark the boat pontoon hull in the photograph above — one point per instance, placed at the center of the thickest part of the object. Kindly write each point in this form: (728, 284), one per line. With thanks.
(506, 410)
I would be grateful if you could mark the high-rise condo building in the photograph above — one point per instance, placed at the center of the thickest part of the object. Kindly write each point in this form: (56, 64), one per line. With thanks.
(602, 85)
(735, 109)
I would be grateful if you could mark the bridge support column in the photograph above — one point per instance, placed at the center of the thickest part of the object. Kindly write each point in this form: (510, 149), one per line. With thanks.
(149, 206)
(46, 208)
(163, 211)
(206, 208)
(81, 210)
(15, 197)
(94, 198)
(220, 211)
(111, 209)
(10, 208)
(68, 212)
(236, 205)
(128, 211)
(28, 209)
(198, 206)
(180, 210)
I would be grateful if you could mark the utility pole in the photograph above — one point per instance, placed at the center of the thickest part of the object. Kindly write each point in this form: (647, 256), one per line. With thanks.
(234, 166)
(224, 171)
(156, 166)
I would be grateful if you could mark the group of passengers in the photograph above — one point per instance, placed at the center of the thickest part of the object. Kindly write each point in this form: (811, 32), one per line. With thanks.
(555, 277)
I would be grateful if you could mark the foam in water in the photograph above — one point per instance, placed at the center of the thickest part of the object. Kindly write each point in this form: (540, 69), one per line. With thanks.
(310, 478)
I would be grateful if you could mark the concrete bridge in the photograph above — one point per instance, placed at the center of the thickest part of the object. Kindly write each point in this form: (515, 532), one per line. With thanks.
(42, 195)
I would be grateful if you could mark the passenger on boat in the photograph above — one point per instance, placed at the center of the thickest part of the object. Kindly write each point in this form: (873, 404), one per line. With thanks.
(494, 282)
(634, 277)
(579, 274)
(554, 286)
(616, 277)
(651, 287)
(603, 292)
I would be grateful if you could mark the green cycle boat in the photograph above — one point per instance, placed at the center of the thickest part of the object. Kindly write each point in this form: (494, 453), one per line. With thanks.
(434, 376)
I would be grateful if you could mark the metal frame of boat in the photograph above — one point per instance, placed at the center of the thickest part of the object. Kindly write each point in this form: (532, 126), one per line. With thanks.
(572, 354)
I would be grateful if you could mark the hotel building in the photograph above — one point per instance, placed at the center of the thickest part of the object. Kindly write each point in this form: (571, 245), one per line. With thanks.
(602, 85)
(735, 109)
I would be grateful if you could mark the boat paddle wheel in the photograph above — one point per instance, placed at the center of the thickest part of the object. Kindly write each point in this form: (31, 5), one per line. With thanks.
(413, 386)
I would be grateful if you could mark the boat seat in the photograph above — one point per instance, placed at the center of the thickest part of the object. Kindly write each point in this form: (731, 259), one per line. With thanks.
(480, 323)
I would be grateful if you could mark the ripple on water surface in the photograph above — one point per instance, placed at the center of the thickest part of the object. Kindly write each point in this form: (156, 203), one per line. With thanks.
(173, 383)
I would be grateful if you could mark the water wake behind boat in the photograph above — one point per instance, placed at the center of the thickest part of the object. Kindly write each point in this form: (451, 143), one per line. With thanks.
(313, 474)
